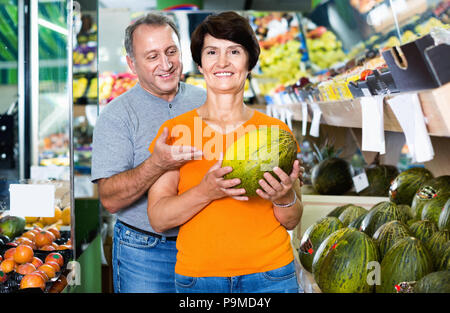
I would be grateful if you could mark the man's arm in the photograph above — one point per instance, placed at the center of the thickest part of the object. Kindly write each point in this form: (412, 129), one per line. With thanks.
(123, 189)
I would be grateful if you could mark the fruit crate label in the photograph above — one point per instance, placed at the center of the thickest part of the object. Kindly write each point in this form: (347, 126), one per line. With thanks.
(32, 200)
(360, 181)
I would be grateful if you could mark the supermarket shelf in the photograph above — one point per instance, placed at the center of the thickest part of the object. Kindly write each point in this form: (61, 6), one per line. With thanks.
(347, 113)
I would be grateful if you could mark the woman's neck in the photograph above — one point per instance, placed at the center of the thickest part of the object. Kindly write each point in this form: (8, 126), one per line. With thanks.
(224, 108)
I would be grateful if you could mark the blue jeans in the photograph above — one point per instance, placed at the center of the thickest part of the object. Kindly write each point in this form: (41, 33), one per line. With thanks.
(142, 263)
(280, 280)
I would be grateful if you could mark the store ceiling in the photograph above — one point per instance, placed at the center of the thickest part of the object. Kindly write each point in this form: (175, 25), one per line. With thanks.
(257, 5)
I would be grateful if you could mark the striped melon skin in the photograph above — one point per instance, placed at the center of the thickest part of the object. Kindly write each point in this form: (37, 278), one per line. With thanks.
(436, 282)
(345, 267)
(317, 233)
(434, 188)
(406, 211)
(338, 210)
(444, 258)
(436, 244)
(433, 208)
(380, 214)
(408, 260)
(389, 234)
(351, 213)
(323, 249)
(257, 152)
(405, 185)
(423, 230)
(444, 217)
(356, 223)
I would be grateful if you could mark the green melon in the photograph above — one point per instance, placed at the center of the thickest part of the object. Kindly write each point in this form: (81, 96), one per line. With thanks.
(436, 282)
(338, 210)
(389, 234)
(379, 214)
(433, 208)
(436, 245)
(407, 260)
(332, 177)
(444, 217)
(257, 152)
(323, 249)
(405, 185)
(423, 230)
(406, 211)
(444, 258)
(433, 188)
(380, 178)
(346, 267)
(317, 233)
(356, 223)
(351, 213)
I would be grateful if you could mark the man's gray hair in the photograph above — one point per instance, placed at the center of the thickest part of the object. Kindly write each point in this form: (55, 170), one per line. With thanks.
(152, 19)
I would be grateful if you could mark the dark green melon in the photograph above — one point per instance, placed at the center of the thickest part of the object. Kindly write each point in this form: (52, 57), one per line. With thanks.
(351, 213)
(338, 210)
(407, 260)
(433, 208)
(432, 189)
(332, 177)
(423, 230)
(317, 233)
(389, 234)
(344, 268)
(356, 223)
(436, 245)
(444, 258)
(406, 211)
(444, 217)
(380, 178)
(323, 249)
(379, 214)
(257, 152)
(405, 185)
(436, 282)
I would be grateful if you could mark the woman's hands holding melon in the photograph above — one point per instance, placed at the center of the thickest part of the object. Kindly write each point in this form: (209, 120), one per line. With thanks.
(215, 186)
(280, 192)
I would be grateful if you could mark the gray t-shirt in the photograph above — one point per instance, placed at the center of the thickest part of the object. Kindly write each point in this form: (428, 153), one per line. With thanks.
(123, 133)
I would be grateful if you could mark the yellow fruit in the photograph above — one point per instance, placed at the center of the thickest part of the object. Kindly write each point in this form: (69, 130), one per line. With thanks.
(54, 219)
(65, 216)
(31, 219)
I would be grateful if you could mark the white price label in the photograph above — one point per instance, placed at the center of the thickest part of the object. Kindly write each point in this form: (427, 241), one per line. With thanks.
(361, 182)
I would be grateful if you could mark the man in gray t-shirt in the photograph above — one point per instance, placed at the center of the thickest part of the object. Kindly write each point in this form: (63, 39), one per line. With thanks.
(143, 260)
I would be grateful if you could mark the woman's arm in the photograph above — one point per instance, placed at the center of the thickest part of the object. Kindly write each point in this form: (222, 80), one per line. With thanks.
(166, 209)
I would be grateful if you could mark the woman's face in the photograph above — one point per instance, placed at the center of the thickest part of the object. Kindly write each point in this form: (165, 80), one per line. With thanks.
(224, 65)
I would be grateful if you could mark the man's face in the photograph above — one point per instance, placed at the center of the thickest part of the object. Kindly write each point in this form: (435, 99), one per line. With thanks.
(157, 60)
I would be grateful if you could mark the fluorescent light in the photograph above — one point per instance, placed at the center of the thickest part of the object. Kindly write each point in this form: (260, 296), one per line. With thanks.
(53, 27)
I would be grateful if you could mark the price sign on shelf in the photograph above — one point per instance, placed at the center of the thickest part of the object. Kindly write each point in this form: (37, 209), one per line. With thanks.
(360, 181)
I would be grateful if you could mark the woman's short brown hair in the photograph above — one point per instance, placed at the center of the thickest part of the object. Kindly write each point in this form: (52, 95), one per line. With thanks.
(228, 26)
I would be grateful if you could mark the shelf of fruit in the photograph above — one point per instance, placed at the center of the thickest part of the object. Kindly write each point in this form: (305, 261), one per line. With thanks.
(85, 88)
(400, 244)
(34, 253)
(111, 85)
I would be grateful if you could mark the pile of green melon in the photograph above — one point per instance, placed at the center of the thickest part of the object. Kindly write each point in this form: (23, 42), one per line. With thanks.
(401, 245)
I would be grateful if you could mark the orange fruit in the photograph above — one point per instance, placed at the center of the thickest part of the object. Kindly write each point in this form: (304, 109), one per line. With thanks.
(9, 254)
(65, 216)
(55, 232)
(64, 247)
(29, 234)
(32, 280)
(54, 265)
(26, 268)
(44, 238)
(41, 273)
(31, 219)
(23, 254)
(47, 248)
(37, 262)
(47, 269)
(55, 257)
(8, 265)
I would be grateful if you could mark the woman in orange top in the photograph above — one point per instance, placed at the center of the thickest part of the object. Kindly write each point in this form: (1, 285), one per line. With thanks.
(227, 241)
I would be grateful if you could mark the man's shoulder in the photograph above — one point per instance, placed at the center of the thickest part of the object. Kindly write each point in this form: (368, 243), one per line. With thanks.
(191, 89)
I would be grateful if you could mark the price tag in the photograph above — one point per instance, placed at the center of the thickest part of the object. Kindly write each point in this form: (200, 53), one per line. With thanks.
(304, 117)
(360, 181)
(315, 123)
